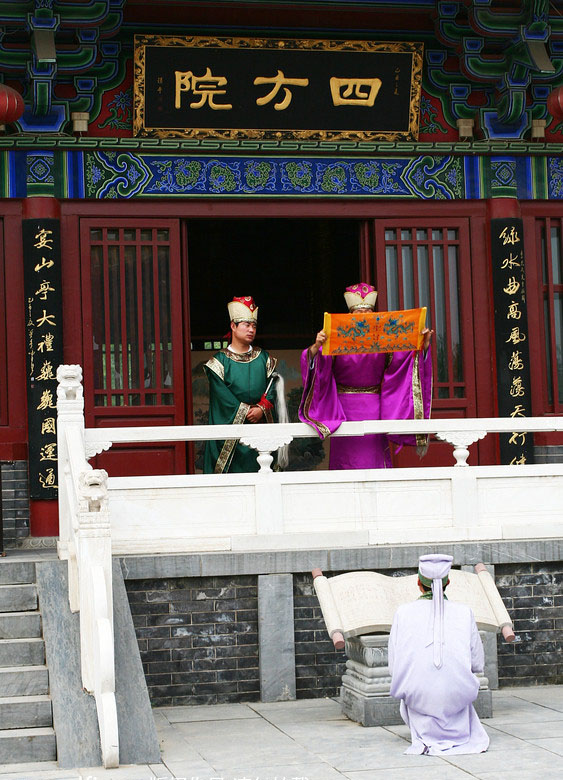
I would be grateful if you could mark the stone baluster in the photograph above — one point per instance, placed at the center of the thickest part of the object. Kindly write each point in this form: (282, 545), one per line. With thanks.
(93, 553)
(265, 444)
(460, 440)
(70, 415)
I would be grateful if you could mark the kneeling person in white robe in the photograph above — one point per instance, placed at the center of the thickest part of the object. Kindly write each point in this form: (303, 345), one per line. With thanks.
(434, 650)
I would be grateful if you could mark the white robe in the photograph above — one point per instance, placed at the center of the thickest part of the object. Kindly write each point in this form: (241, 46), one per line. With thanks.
(436, 703)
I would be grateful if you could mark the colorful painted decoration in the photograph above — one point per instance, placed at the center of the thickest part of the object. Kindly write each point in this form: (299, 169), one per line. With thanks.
(381, 331)
(124, 174)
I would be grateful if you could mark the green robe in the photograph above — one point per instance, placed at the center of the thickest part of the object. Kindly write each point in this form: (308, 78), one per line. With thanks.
(236, 382)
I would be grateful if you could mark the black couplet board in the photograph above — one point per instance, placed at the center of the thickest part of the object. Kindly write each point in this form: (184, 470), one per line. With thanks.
(511, 335)
(44, 349)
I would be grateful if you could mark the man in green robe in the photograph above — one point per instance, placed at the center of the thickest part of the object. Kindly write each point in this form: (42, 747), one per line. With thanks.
(241, 390)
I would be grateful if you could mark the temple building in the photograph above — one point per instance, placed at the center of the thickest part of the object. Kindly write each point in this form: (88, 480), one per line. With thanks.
(432, 171)
(159, 158)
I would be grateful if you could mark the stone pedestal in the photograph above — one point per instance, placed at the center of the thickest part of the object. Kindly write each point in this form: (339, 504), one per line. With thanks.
(364, 696)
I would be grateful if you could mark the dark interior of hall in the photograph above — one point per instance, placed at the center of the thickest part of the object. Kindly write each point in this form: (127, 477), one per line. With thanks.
(296, 269)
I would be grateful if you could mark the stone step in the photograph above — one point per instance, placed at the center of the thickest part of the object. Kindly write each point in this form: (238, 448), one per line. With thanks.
(24, 680)
(20, 625)
(18, 598)
(22, 652)
(19, 746)
(16, 572)
(24, 712)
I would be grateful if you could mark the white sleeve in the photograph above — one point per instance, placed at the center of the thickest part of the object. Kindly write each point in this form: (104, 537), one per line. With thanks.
(391, 645)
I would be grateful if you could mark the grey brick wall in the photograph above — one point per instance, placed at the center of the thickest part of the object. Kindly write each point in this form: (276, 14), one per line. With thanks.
(533, 594)
(552, 453)
(15, 501)
(198, 638)
(199, 635)
(318, 667)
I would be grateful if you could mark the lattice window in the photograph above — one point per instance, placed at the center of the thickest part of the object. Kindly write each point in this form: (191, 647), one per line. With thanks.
(422, 268)
(131, 316)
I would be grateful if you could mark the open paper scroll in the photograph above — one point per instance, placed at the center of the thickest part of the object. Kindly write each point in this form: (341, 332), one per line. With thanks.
(362, 602)
(381, 331)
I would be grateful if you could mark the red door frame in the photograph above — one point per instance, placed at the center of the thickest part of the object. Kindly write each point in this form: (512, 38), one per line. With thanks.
(4, 417)
(78, 326)
(13, 430)
(439, 453)
(531, 212)
(461, 407)
(474, 211)
(252, 208)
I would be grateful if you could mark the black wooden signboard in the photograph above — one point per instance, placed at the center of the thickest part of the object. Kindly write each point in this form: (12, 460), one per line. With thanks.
(511, 334)
(44, 348)
(201, 87)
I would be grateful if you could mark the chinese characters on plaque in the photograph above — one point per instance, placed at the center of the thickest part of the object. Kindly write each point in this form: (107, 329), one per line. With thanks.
(199, 87)
(511, 333)
(42, 258)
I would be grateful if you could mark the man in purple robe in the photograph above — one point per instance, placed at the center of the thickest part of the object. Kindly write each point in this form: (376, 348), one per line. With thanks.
(379, 386)
(434, 650)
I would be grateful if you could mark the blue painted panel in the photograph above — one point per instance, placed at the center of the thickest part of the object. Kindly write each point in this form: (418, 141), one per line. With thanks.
(127, 175)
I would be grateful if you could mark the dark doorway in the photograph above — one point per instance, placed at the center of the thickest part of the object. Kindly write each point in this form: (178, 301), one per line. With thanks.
(295, 270)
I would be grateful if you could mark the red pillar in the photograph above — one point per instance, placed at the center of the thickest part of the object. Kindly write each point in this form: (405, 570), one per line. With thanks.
(41, 208)
(43, 518)
(507, 208)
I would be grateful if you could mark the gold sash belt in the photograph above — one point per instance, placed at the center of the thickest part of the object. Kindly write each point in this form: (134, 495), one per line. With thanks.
(349, 389)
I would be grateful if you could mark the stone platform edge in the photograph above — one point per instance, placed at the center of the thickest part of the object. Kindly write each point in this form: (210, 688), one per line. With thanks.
(394, 557)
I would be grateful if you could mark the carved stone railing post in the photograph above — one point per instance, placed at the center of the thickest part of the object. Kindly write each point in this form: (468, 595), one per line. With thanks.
(460, 440)
(265, 444)
(268, 491)
(70, 415)
(93, 552)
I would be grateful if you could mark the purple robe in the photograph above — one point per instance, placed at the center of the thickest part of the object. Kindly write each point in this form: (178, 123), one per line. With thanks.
(381, 386)
(436, 703)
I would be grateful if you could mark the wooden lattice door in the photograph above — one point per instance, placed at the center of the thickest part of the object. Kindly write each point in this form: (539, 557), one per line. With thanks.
(427, 262)
(133, 339)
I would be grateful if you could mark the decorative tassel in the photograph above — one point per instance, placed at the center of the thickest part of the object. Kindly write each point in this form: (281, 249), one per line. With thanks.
(283, 417)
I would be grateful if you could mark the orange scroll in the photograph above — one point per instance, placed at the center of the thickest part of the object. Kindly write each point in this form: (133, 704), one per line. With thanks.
(381, 331)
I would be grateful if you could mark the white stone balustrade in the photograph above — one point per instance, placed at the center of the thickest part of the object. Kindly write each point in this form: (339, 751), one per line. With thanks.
(85, 541)
(459, 432)
(267, 510)
(183, 513)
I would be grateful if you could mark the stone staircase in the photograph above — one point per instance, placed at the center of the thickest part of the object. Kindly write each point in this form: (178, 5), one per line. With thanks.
(26, 724)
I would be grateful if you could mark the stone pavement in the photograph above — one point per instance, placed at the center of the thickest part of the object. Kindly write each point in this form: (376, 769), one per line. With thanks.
(311, 740)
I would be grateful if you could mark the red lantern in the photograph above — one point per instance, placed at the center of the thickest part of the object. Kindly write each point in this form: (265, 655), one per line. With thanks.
(555, 103)
(11, 105)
